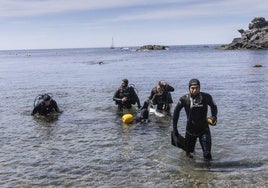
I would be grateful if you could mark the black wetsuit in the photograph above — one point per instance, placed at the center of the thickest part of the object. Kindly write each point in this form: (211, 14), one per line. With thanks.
(45, 110)
(196, 109)
(162, 100)
(142, 116)
(130, 94)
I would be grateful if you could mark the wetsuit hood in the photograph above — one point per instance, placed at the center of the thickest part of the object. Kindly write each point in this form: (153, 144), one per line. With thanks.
(144, 114)
(46, 97)
(194, 81)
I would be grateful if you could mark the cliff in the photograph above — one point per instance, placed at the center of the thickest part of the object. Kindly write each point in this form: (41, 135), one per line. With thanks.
(256, 37)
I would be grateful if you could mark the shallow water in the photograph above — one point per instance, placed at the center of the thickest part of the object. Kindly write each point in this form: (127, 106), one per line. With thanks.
(88, 146)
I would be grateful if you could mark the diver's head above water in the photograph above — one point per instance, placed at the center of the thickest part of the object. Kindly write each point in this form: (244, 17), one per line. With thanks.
(194, 87)
(124, 83)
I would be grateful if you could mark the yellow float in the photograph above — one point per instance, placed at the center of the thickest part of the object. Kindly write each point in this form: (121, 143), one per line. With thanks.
(127, 118)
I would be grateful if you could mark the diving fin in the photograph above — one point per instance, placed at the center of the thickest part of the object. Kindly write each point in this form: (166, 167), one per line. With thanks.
(178, 141)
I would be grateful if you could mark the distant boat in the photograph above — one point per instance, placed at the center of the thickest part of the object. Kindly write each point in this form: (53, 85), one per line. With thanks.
(125, 49)
(112, 45)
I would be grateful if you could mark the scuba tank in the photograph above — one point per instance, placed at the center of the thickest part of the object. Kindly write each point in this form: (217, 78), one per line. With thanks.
(133, 93)
(40, 98)
(135, 89)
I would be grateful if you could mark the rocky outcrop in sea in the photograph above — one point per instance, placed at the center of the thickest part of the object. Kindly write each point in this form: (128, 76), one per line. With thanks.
(256, 37)
(153, 47)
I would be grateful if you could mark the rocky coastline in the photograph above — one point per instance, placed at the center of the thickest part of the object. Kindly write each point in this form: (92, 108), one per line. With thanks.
(256, 37)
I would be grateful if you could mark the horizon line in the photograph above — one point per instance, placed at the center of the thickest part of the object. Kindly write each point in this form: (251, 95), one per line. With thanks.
(66, 48)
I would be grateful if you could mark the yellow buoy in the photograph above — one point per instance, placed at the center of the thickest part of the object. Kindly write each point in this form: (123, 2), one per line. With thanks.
(127, 118)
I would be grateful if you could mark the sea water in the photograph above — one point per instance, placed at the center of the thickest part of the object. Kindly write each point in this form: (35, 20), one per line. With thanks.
(88, 146)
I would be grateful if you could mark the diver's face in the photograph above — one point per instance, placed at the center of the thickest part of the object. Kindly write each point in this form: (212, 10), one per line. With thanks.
(194, 90)
(160, 90)
(123, 84)
(47, 103)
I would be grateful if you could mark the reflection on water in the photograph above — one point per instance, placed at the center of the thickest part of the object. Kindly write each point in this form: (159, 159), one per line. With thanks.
(227, 166)
(89, 146)
(46, 120)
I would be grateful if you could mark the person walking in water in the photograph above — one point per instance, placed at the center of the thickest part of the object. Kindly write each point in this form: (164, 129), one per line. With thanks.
(45, 106)
(161, 97)
(196, 107)
(125, 96)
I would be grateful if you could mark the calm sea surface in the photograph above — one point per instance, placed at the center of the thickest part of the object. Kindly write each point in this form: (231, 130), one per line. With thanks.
(88, 146)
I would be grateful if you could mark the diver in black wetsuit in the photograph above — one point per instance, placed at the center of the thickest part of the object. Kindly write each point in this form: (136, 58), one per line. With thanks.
(143, 114)
(161, 96)
(125, 96)
(45, 106)
(196, 107)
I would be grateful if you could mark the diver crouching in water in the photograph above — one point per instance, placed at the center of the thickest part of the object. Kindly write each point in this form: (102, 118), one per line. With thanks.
(141, 118)
(143, 114)
(125, 96)
(45, 105)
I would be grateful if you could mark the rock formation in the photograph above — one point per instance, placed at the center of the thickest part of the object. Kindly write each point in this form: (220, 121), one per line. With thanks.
(153, 47)
(256, 37)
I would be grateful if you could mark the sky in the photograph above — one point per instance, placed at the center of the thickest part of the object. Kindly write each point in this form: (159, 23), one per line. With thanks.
(50, 24)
